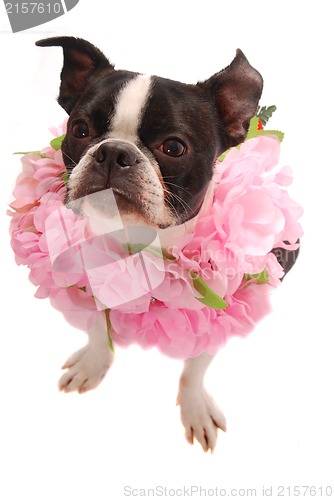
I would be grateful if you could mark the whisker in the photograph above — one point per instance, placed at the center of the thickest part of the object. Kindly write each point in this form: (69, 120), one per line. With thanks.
(185, 205)
(179, 187)
(172, 207)
(169, 202)
(71, 159)
(176, 197)
(181, 201)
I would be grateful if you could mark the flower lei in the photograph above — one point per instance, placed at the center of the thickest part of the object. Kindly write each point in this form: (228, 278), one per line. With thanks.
(214, 282)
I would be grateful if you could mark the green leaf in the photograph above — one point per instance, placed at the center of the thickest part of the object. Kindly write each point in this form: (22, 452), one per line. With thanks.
(261, 278)
(57, 142)
(65, 177)
(266, 113)
(42, 155)
(254, 132)
(210, 298)
(134, 248)
(278, 133)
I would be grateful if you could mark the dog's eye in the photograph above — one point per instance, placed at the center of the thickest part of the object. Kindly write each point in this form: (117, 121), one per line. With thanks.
(173, 147)
(80, 130)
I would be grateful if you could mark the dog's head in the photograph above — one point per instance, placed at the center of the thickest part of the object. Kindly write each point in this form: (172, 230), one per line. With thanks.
(150, 140)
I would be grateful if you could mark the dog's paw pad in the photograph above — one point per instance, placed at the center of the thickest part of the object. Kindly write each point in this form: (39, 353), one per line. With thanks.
(85, 370)
(201, 418)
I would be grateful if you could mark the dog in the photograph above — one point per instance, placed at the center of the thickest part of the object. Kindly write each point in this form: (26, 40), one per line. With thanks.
(132, 133)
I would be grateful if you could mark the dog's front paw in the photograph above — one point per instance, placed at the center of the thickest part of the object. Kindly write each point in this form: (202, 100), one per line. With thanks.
(85, 369)
(201, 417)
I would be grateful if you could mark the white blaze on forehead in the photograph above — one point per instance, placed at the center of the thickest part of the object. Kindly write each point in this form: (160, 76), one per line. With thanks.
(129, 106)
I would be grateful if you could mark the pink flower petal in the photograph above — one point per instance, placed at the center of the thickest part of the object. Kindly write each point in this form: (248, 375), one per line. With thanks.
(153, 301)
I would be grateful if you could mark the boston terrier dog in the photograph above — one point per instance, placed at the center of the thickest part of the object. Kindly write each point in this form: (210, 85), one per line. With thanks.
(135, 133)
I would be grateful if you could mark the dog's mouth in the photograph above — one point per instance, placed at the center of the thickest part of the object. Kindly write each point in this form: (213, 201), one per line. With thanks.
(136, 192)
(117, 206)
(107, 201)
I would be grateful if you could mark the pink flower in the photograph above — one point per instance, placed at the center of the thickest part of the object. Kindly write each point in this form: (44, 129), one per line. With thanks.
(184, 333)
(247, 216)
(26, 184)
(39, 176)
(152, 300)
(61, 130)
(25, 244)
(78, 308)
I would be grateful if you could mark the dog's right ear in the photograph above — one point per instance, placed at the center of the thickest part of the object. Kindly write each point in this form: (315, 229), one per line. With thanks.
(82, 61)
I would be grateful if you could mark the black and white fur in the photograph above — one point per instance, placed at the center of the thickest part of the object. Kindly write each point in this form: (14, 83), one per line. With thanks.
(154, 142)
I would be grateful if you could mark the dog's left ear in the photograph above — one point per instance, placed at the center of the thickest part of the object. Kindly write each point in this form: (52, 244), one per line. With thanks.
(82, 61)
(236, 91)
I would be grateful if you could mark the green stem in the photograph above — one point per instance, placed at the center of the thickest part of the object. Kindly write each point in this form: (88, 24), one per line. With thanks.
(110, 343)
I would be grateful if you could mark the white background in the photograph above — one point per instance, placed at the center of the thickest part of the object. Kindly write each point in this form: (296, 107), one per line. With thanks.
(276, 386)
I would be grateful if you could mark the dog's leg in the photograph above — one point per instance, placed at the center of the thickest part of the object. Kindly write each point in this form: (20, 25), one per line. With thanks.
(200, 415)
(87, 367)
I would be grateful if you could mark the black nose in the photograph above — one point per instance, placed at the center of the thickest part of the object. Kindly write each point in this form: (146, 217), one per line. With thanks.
(115, 154)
